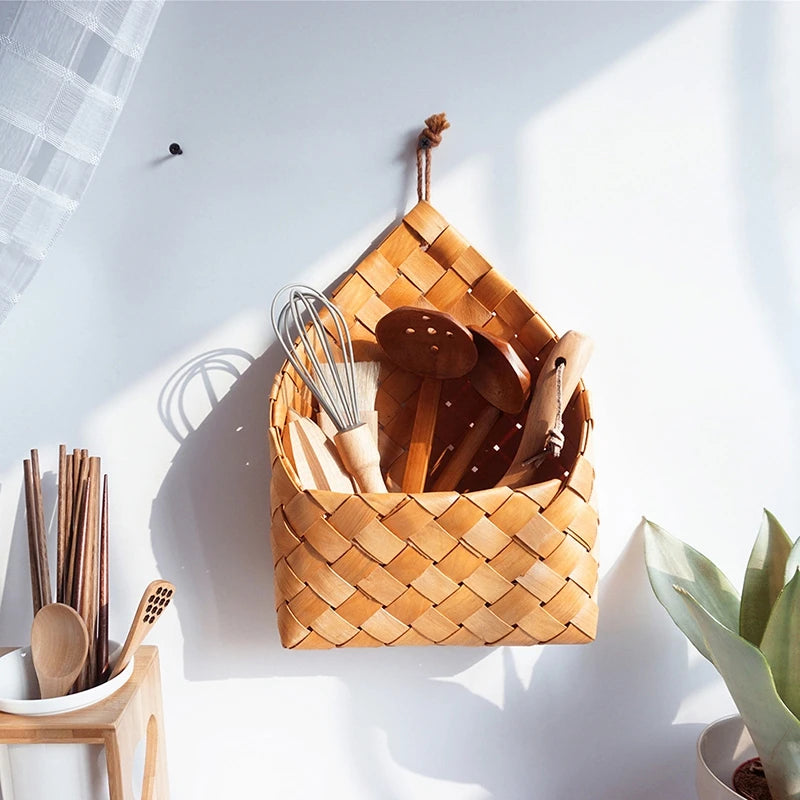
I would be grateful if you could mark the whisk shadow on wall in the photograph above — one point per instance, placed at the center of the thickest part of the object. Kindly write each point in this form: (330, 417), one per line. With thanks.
(209, 526)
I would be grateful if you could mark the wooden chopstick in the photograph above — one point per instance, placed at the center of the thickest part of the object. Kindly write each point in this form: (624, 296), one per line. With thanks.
(102, 612)
(41, 531)
(76, 468)
(61, 505)
(90, 568)
(33, 539)
(69, 492)
(77, 508)
(78, 563)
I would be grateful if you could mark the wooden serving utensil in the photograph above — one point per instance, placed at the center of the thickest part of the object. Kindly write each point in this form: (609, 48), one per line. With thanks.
(314, 456)
(101, 650)
(59, 646)
(436, 346)
(502, 379)
(155, 599)
(574, 350)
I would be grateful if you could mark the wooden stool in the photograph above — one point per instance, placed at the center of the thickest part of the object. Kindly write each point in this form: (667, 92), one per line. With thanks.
(118, 723)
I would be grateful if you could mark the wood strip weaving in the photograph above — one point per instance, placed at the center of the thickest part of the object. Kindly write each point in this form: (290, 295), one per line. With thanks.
(483, 565)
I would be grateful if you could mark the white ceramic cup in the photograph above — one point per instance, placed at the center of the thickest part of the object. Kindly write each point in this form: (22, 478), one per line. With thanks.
(41, 771)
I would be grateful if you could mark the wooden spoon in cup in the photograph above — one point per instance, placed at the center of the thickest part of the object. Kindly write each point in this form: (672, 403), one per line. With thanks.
(59, 646)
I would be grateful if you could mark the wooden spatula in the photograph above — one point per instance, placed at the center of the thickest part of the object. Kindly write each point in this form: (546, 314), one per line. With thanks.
(575, 350)
(315, 458)
(156, 598)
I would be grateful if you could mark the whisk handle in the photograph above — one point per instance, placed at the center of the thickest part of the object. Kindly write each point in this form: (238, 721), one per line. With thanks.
(361, 458)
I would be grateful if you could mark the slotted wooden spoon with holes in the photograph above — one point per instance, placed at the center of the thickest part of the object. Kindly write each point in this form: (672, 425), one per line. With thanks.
(436, 346)
(155, 599)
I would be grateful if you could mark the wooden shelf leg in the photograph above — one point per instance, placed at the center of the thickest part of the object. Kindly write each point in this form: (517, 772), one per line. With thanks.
(144, 718)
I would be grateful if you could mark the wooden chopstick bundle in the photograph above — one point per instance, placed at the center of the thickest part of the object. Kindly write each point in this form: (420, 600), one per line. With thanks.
(81, 579)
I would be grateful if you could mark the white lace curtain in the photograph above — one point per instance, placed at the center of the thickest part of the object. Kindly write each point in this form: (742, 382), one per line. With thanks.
(66, 67)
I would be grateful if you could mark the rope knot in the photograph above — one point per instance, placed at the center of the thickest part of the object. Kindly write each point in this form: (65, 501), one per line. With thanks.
(430, 137)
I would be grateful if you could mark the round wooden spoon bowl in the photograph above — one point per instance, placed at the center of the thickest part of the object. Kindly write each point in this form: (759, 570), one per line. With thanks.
(59, 644)
(436, 346)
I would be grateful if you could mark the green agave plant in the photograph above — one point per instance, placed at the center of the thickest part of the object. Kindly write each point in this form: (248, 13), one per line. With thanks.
(752, 640)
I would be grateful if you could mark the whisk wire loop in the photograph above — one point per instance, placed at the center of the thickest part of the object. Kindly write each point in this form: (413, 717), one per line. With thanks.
(292, 325)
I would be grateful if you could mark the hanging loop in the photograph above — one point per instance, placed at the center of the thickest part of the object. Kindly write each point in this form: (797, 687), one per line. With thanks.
(430, 137)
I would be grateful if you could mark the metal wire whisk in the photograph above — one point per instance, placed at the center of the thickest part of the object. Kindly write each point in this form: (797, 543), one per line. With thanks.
(292, 324)
(303, 335)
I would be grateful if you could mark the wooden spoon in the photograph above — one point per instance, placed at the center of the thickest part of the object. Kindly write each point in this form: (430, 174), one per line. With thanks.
(155, 599)
(436, 346)
(501, 378)
(575, 350)
(59, 646)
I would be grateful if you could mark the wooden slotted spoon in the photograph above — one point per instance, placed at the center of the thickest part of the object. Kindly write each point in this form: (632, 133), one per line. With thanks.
(155, 599)
(436, 346)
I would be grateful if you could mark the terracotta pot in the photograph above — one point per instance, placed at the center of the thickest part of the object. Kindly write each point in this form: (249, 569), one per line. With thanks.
(722, 746)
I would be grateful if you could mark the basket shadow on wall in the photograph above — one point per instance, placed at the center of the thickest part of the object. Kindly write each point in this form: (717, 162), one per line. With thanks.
(210, 531)
(625, 688)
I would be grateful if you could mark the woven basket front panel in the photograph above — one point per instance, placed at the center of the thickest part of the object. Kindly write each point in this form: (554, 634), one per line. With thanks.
(485, 565)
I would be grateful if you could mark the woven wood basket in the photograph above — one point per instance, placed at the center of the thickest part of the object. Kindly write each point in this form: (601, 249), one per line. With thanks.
(486, 565)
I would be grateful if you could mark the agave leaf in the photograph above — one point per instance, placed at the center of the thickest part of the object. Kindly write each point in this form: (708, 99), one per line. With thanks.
(792, 563)
(775, 730)
(764, 578)
(781, 644)
(671, 562)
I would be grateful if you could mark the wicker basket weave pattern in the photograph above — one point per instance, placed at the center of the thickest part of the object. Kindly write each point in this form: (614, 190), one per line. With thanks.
(484, 566)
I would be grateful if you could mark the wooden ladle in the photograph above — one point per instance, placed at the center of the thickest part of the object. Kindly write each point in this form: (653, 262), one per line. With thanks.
(436, 346)
(59, 646)
(503, 380)
(574, 350)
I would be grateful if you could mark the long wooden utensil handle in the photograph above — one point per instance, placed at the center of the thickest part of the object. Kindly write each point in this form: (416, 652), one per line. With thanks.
(90, 568)
(69, 493)
(102, 610)
(33, 541)
(461, 458)
(61, 510)
(575, 349)
(419, 450)
(41, 531)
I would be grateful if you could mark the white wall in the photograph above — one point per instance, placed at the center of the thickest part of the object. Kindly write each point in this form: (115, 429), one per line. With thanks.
(633, 168)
